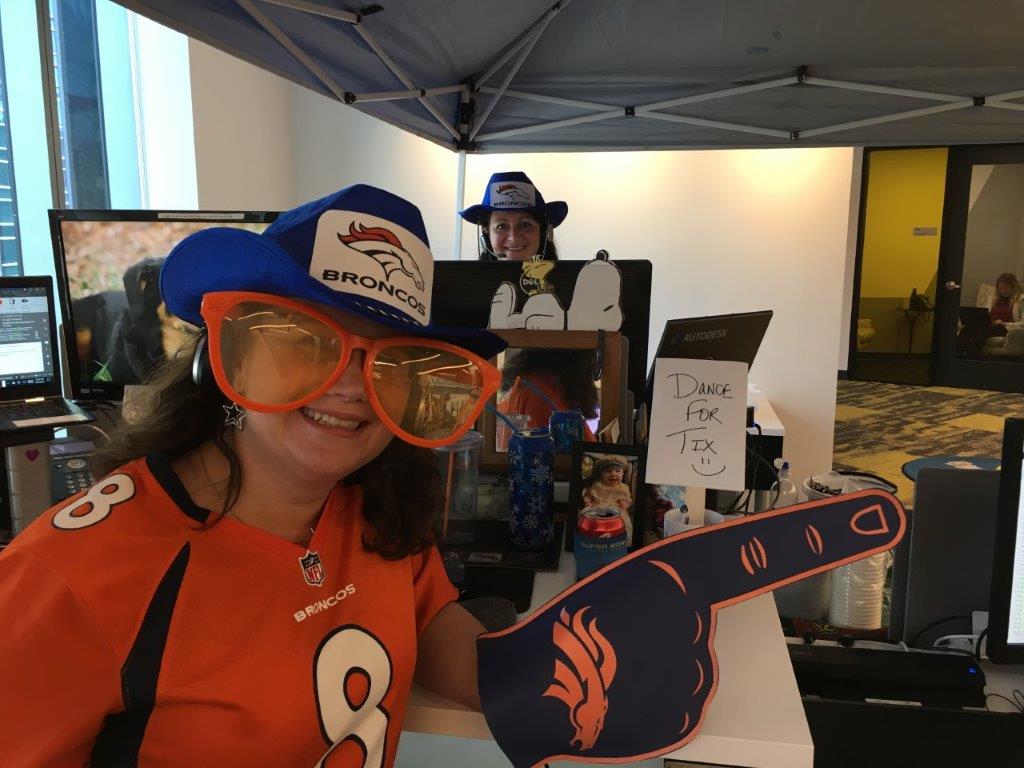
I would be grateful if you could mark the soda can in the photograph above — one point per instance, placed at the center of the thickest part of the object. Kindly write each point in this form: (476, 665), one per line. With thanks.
(566, 428)
(531, 488)
(600, 539)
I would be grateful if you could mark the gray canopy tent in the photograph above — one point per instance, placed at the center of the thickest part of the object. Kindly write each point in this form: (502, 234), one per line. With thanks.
(529, 75)
(532, 76)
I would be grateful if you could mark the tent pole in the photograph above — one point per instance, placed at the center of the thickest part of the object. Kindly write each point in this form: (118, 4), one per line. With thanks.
(398, 72)
(288, 44)
(316, 9)
(727, 92)
(716, 124)
(555, 9)
(885, 119)
(460, 201)
(548, 99)
(1005, 105)
(413, 93)
(555, 124)
(884, 89)
(519, 43)
(647, 109)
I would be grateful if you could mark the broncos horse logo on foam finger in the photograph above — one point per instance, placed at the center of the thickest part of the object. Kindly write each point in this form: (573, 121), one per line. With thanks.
(384, 247)
(625, 700)
(583, 684)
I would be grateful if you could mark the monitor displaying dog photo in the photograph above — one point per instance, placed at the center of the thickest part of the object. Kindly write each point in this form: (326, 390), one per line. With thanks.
(117, 330)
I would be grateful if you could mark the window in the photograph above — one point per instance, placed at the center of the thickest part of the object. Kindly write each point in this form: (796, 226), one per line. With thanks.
(10, 246)
(121, 112)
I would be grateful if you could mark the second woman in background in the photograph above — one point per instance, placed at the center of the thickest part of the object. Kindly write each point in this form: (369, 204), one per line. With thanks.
(515, 222)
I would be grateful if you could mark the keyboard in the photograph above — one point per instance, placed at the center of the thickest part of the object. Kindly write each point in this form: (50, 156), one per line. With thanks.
(46, 412)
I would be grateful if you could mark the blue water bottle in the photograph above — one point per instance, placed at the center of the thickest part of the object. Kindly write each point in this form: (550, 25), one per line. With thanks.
(566, 428)
(531, 488)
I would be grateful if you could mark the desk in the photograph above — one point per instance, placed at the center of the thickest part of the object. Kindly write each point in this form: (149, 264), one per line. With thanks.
(756, 718)
(1004, 680)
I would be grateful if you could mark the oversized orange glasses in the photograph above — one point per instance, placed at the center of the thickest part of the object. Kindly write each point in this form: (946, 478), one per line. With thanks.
(273, 354)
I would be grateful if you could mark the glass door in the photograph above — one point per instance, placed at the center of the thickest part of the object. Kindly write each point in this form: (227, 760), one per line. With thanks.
(980, 327)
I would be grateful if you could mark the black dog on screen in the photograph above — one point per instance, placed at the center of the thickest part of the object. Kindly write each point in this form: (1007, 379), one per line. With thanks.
(123, 336)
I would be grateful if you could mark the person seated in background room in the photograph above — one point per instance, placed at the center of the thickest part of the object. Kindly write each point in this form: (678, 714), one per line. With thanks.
(515, 222)
(1005, 310)
(1007, 305)
(534, 379)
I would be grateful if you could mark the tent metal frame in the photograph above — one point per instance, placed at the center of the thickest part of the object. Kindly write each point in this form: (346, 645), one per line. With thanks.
(469, 136)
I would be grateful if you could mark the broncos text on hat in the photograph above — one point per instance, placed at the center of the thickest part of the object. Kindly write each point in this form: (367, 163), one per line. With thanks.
(369, 256)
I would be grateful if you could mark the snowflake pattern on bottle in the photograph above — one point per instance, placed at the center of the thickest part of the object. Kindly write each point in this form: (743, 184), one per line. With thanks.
(530, 490)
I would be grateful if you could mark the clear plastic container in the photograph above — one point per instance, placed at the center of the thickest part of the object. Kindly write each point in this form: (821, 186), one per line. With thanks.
(460, 472)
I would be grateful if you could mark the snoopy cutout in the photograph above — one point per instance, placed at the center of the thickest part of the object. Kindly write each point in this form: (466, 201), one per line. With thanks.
(596, 302)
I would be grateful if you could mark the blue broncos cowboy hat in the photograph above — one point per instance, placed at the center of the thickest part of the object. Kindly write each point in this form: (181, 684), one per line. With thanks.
(361, 249)
(513, 191)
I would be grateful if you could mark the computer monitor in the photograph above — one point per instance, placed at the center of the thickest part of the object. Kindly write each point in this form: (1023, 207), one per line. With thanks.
(735, 337)
(1006, 610)
(116, 329)
(942, 570)
(28, 339)
(463, 291)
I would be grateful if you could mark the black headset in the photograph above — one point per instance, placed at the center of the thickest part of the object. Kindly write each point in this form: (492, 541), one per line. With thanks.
(202, 370)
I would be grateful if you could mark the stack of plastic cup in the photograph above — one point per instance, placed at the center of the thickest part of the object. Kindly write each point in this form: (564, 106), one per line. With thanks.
(857, 593)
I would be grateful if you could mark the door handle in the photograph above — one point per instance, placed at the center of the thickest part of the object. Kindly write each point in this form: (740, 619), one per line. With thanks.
(952, 285)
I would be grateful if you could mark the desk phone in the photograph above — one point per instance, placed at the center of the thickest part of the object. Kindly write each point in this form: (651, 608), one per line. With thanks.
(69, 467)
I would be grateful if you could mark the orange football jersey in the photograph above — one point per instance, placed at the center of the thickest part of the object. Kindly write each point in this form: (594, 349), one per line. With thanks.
(129, 635)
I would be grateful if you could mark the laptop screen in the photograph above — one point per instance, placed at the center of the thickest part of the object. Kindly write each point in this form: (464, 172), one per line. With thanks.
(27, 333)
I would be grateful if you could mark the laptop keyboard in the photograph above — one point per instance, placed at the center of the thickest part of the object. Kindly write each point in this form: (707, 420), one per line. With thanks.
(35, 414)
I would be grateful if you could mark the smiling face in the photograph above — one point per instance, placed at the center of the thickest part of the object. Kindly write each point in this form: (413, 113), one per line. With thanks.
(514, 236)
(326, 440)
(612, 475)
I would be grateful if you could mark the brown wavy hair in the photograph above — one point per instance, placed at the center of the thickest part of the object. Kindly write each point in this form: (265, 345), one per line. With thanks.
(1015, 289)
(180, 416)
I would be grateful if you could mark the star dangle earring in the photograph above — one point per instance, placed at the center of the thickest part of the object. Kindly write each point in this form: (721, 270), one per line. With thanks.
(235, 416)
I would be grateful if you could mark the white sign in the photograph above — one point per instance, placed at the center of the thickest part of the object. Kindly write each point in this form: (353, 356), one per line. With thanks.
(698, 428)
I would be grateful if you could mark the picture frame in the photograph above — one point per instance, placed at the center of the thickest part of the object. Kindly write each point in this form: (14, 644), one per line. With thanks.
(584, 490)
(614, 355)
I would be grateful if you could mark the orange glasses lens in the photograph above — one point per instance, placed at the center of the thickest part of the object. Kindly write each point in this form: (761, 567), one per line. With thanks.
(428, 392)
(276, 356)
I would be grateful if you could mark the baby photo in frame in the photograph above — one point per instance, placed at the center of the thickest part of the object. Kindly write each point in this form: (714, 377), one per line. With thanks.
(607, 475)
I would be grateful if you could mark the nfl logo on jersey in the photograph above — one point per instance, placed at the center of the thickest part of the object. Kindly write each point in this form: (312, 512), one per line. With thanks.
(312, 569)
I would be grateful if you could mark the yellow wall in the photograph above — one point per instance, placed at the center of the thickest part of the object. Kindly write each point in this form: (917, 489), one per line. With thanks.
(906, 188)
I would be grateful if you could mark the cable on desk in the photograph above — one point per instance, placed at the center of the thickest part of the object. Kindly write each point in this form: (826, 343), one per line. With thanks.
(937, 623)
(977, 643)
(95, 428)
(1017, 702)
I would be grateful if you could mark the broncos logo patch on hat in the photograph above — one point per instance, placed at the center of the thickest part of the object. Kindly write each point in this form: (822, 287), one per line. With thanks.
(513, 195)
(372, 257)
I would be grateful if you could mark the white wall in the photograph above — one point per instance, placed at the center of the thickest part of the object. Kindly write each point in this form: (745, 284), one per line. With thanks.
(264, 143)
(243, 136)
(727, 231)
(334, 145)
(994, 242)
(852, 226)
